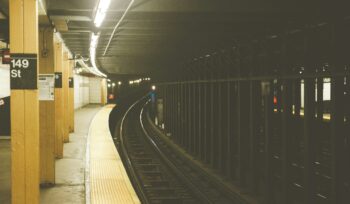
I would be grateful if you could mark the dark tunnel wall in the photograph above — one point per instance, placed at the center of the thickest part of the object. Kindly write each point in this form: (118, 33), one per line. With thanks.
(256, 114)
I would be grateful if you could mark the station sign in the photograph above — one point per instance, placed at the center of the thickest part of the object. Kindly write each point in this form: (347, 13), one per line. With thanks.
(71, 82)
(23, 71)
(58, 79)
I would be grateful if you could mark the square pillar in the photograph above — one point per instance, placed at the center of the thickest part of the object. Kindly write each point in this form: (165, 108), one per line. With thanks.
(71, 96)
(58, 52)
(65, 87)
(24, 102)
(47, 106)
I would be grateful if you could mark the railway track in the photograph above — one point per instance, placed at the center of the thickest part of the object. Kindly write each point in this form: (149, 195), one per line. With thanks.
(158, 174)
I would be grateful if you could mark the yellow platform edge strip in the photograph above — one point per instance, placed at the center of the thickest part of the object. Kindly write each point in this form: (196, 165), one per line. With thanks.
(106, 180)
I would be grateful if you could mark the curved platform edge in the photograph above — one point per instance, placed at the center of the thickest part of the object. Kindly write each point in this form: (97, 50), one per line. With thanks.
(106, 180)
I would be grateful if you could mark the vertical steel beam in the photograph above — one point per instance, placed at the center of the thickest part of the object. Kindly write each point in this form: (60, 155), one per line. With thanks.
(309, 122)
(243, 121)
(182, 113)
(286, 138)
(195, 119)
(238, 123)
(337, 115)
(347, 129)
(268, 114)
(168, 130)
(286, 104)
(177, 126)
(254, 127)
(200, 119)
(172, 112)
(297, 97)
(219, 127)
(189, 114)
(192, 114)
(319, 104)
(229, 131)
(165, 104)
(185, 141)
(207, 119)
(212, 122)
(337, 138)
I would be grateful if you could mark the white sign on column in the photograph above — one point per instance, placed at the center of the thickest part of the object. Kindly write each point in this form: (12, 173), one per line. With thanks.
(46, 87)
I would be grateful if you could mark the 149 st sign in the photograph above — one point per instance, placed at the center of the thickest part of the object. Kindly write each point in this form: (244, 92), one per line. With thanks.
(23, 71)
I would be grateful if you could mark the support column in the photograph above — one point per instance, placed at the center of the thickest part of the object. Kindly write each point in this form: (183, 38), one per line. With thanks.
(58, 100)
(65, 88)
(71, 96)
(24, 103)
(47, 108)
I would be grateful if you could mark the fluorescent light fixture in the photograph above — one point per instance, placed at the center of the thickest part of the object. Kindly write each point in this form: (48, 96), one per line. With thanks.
(101, 12)
(94, 40)
(99, 17)
(119, 83)
(93, 45)
(153, 88)
(85, 67)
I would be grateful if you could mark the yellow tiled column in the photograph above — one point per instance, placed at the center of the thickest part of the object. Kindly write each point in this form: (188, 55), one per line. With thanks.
(58, 100)
(47, 109)
(24, 104)
(65, 83)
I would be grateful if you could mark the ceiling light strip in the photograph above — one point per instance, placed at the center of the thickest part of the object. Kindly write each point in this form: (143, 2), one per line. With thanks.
(93, 45)
(101, 12)
(99, 17)
(116, 27)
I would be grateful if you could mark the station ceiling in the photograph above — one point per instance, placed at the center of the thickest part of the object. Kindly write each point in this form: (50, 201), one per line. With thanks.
(157, 35)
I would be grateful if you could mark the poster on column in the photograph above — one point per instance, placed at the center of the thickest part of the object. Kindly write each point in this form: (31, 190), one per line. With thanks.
(46, 87)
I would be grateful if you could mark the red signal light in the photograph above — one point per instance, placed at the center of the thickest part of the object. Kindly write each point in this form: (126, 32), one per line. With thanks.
(275, 100)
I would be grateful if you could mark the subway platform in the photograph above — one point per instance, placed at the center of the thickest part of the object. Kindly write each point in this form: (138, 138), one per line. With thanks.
(90, 171)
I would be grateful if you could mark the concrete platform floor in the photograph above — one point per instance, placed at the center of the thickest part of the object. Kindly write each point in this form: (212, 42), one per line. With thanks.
(70, 170)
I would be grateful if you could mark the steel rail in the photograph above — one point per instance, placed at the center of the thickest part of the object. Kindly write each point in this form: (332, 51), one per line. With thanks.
(135, 180)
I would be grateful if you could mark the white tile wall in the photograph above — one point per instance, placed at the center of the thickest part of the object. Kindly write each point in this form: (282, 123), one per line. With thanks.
(81, 91)
(95, 90)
